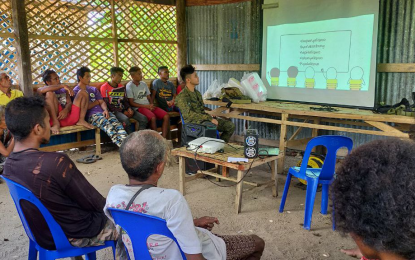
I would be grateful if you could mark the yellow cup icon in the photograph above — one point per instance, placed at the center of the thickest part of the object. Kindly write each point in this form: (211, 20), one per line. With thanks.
(309, 83)
(275, 81)
(355, 84)
(291, 82)
(331, 83)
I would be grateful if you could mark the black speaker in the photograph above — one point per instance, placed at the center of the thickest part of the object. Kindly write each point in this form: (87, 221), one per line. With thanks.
(191, 132)
(251, 143)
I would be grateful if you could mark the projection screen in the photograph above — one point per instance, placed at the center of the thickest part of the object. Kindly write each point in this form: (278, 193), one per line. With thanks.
(320, 51)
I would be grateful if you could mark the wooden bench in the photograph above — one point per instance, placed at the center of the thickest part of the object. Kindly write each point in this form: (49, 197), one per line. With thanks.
(78, 142)
(97, 137)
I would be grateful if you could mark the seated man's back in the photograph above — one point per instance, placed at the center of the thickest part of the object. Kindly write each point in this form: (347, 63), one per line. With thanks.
(53, 178)
(171, 206)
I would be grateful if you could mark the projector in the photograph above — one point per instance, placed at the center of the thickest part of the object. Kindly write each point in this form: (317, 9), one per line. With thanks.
(206, 145)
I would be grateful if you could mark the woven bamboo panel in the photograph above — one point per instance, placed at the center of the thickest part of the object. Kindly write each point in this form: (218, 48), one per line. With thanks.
(8, 58)
(8, 55)
(148, 56)
(145, 21)
(80, 18)
(66, 56)
(6, 22)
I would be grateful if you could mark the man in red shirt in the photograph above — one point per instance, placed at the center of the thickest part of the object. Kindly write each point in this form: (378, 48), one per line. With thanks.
(61, 109)
(114, 95)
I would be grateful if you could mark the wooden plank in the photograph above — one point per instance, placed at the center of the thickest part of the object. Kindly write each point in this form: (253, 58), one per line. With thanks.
(22, 46)
(62, 147)
(238, 197)
(274, 176)
(350, 130)
(225, 171)
(227, 67)
(98, 84)
(396, 67)
(298, 144)
(249, 118)
(182, 173)
(97, 141)
(298, 109)
(181, 35)
(72, 129)
(314, 131)
(222, 158)
(212, 2)
(146, 41)
(69, 38)
(218, 176)
(283, 143)
(297, 131)
(384, 127)
(114, 34)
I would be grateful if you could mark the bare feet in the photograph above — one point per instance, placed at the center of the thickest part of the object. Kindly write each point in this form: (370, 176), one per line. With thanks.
(85, 123)
(55, 128)
(355, 252)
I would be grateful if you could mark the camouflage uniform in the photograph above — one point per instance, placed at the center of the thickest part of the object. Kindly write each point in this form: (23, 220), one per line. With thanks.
(193, 111)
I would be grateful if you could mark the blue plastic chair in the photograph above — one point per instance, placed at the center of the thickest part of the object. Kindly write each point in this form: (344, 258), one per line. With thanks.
(63, 247)
(139, 227)
(315, 176)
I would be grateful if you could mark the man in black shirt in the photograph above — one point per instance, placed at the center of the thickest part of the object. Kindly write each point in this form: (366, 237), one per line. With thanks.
(53, 178)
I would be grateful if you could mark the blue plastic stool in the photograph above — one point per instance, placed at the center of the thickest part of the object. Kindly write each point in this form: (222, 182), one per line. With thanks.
(139, 227)
(63, 247)
(315, 176)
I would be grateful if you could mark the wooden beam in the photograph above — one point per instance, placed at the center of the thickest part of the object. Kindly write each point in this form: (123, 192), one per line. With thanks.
(396, 67)
(181, 35)
(22, 46)
(212, 2)
(114, 33)
(229, 67)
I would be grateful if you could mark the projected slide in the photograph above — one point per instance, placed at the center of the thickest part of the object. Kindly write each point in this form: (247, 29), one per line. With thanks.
(330, 54)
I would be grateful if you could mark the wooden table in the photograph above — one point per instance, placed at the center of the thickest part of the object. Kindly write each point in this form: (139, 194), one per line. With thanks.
(221, 159)
(302, 116)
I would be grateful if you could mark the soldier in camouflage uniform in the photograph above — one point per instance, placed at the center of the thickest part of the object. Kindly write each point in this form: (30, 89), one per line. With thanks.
(192, 107)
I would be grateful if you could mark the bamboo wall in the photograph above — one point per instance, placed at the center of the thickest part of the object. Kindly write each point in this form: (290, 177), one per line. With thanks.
(65, 35)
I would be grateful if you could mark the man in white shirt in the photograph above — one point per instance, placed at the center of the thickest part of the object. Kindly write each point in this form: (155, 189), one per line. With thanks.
(143, 157)
(139, 99)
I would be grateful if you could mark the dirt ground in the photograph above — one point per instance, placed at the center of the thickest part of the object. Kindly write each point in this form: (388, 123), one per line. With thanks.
(283, 233)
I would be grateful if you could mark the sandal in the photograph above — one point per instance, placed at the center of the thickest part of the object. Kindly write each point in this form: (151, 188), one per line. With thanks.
(93, 156)
(86, 160)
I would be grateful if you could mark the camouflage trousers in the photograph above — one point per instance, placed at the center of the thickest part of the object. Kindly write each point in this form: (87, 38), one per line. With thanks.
(108, 233)
(111, 126)
(226, 127)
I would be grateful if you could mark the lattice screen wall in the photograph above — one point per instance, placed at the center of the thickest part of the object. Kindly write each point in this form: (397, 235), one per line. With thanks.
(67, 34)
(8, 56)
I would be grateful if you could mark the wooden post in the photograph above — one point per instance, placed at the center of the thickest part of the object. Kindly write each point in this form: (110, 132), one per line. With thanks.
(274, 177)
(181, 35)
(22, 46)
(97, 141)
(182, 175)
(114, 33)
(238, 199)
(283, 143)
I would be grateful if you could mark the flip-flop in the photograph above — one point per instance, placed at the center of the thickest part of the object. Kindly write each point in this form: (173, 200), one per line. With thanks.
(86, 160)
(94, 156)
